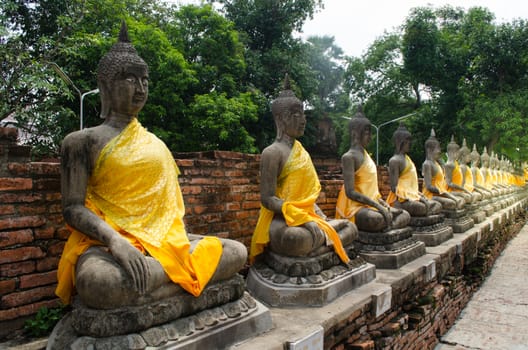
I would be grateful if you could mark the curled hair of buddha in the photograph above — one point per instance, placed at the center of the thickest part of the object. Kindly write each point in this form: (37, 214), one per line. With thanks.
(358, 122)
(452, 146)
(400, 135)
(431, 142)
(120, 55)
(284, 101)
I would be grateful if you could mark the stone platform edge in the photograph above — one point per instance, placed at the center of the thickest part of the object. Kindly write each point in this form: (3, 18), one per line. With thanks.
(291, 325)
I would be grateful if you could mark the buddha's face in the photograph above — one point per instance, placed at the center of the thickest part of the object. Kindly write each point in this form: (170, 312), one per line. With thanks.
(129, 90)
(365, 135)
(294, 121)
(435, 151)
(406, 144)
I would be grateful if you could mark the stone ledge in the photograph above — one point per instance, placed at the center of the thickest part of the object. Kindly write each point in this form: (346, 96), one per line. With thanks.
(293, 324)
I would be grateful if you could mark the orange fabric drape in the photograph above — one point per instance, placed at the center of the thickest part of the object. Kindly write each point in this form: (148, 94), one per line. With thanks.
(299, 187)
(134, 187)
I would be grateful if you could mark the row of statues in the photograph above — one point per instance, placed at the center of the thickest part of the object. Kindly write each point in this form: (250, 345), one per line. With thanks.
(129, 253)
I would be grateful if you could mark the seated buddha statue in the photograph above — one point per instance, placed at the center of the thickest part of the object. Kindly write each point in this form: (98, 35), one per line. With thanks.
(464, 157)
(487, 173)
(453, 174)
(290, 222)
(405, 193)
(478, 177)
(123, 205)
(359, 199)
(434, 183)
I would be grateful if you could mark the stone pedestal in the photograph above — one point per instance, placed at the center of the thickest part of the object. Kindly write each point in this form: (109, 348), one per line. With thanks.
(222, 315)
(306, 281)
(389, 250)
(432, 229)
(458, 220)
(476, 212)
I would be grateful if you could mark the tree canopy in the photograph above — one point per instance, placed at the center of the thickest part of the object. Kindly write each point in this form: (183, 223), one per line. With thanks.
(215, 68)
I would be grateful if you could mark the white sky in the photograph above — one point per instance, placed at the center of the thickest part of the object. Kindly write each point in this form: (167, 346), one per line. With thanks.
(355, 24)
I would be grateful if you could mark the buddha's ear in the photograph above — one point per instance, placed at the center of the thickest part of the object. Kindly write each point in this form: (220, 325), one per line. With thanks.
(105, 99)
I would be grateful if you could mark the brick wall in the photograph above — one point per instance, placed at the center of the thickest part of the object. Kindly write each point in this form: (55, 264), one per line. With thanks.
(31, 233)
(220, 190)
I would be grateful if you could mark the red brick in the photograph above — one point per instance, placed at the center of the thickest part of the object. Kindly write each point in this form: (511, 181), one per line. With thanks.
(20, 198)
(47, 264)
(27, 310)
(234, 173)
(202, 181)
(26, 297)
(37, 279)
(7, 286)
(21, 222)
(9, 238)
(45, 232)
(63, 233)
(191, 190)
(185, 162)
(19, 168)
(53, 196)
(55, 208)
(47, 184)
(45, 168)
(363, 345)
(16, 269)
(56, 249)
(31, 209)
(233, 206)
(251, 205)
(15, 184)
(7, 209)
(20, 254)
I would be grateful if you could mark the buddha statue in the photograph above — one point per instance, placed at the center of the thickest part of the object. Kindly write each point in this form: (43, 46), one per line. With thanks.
(405, 193)
(359, 199)
(434, 183)
(453, 174)
(487, 172)
(293, 237)
(128, 248)
(478, 178)
(464, 158)
(290, 221)
(385, 237)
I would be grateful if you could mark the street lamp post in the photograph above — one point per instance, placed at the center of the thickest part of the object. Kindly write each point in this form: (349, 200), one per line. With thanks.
(94, 91)
(68, 81)
(383, 124)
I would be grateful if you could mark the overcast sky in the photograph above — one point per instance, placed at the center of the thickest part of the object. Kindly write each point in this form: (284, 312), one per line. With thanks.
(356, 24)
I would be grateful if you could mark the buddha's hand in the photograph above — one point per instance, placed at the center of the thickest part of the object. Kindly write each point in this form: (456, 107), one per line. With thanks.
(133, 261)
(318, 236)
(387, 217)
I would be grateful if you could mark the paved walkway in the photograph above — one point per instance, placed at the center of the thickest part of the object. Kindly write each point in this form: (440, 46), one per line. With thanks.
(496, 317)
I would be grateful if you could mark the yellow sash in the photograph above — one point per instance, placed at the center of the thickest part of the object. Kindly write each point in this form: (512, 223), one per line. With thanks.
(468, 180)
(437, 181)
(456, 177)
(407, 188)
(134, 188)
(366, 183)
(299, 187)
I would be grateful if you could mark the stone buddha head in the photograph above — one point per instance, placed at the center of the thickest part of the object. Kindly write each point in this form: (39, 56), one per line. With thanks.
(464, 154)
(485, 158)
(360, 129)
(452, 149)
(432, 147)
(475, 156)
(402, 139)
(288, 113)
(122, 78)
